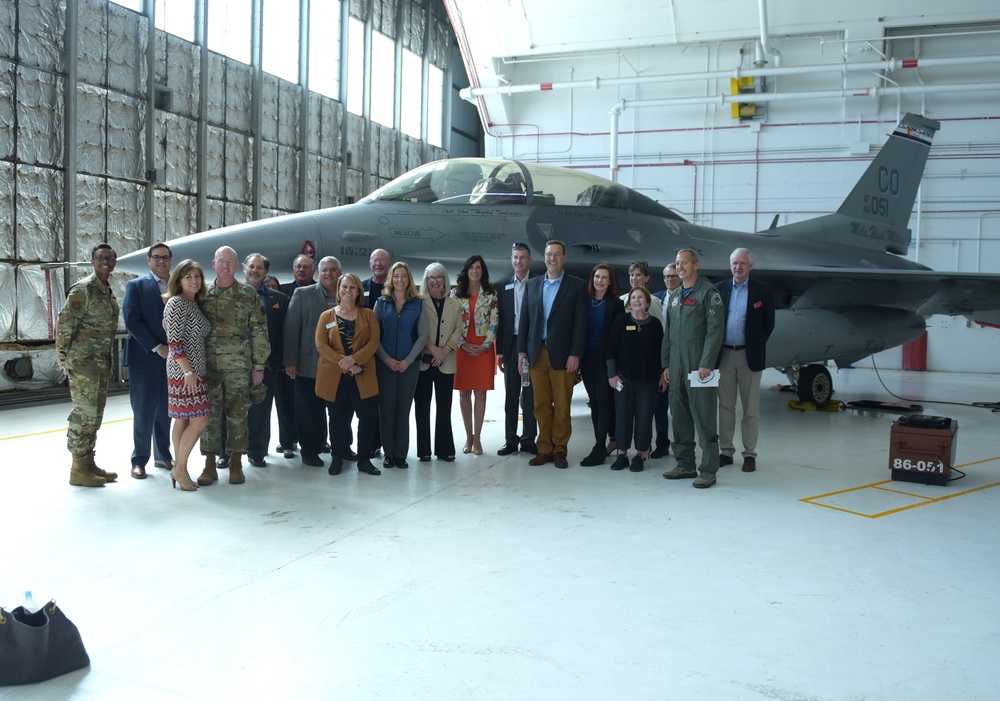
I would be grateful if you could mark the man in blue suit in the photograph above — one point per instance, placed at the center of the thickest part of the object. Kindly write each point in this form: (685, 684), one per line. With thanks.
(749, 311)
(146, 359)
(661, 416)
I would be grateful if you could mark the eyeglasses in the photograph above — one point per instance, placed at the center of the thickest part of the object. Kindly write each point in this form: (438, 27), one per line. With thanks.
(160, 259)
(434, 278)
(671, 277)
(106, 259)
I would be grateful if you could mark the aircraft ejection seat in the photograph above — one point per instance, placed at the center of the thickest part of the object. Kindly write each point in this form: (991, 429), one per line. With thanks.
(510, 190)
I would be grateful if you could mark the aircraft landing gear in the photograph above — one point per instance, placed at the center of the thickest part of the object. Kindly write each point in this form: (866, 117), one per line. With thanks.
(812, 383)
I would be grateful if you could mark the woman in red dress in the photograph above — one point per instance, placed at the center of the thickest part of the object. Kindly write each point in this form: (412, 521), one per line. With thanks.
(477, 357)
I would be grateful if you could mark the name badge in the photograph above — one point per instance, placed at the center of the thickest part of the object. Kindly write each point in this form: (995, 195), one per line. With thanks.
(332, 325)
(510, 286)
(689, 302)
(630, 328)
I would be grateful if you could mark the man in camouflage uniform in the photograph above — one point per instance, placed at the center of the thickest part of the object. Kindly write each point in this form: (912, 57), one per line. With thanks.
(694, 327)
(236, 350)
(85, 335)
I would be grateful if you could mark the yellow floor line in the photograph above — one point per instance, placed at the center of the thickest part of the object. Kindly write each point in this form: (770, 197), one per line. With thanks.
(56, 430)
(924, 500)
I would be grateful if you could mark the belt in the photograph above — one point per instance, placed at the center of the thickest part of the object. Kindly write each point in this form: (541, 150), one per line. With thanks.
(734, 347)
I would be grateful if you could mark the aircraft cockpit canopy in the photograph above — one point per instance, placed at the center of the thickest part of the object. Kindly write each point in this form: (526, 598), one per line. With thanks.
(484, 181)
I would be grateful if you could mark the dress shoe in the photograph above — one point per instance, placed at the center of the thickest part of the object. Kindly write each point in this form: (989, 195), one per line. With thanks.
(286, 450)
(326, 448)
(424, 458)
(508, 449)
(165, 464)
(388, 463)
(139, 472)
(350, 455)
(477, 447)
(468, 446)
(335, 466)
(529, 447)
(620, 463)
(560, 460)
(448, 458)
(401, 465)
(749, 464)
(367, 467)
(680, 473)
(660, 451)
(637, 464)
(312, 461)
(540, 459)
(222, 463)
(703, 481)
(258, 462)
(725, 460)
(597, 457)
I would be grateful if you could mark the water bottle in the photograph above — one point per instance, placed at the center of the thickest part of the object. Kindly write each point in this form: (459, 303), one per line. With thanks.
(525, 375)
(29, 604)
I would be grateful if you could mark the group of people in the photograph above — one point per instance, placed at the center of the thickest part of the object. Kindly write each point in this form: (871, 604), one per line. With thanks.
(215, 357)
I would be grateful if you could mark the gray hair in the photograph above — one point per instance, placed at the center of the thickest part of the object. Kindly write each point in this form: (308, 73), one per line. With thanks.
(690, 251)
(739, 252)
(263, 259)
(329, 259)
(435, 267)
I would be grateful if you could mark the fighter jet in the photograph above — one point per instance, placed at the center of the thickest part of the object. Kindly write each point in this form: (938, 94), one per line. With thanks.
(842, 289)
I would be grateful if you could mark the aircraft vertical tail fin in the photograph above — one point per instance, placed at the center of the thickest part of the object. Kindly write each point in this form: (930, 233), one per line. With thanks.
(881, 202)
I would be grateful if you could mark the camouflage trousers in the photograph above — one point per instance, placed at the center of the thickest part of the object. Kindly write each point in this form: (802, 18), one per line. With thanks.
(229, 393)
(88, 389)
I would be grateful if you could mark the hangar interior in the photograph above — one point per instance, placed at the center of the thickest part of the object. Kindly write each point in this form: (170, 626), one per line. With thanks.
(814, 578)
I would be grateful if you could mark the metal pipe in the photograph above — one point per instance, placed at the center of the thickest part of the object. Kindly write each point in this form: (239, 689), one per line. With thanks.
(890, 64)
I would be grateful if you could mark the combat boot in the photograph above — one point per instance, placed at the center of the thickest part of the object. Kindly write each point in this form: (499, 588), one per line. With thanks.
(236, 475)
(81, 476)
(92, 466)
(209, 474)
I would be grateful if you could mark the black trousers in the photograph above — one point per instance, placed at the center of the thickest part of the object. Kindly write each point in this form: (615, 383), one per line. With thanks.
(634, 405)
(518, 400)
(284, 400)
(441, 385)
(310, 417)
(594, 370)
(259, 419)
(349, 403)
(662, 419)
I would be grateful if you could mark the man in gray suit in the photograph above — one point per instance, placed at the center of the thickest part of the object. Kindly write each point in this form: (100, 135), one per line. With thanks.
(552, 335)
(301, 356)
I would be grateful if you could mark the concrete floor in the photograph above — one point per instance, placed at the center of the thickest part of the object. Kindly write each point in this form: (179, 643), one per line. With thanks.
(812, 579)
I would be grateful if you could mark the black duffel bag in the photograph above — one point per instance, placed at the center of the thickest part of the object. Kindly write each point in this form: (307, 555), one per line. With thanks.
(38, 646)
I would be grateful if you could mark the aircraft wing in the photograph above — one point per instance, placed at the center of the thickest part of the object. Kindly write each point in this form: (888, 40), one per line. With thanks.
(924, 292)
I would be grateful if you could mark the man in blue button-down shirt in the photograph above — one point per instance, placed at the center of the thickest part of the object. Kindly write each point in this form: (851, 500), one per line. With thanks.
(749, 310)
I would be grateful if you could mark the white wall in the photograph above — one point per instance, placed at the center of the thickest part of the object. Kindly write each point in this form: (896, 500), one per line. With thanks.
(806, 155)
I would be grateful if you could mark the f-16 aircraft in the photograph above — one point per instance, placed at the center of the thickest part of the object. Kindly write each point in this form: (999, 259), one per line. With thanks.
(841, 288)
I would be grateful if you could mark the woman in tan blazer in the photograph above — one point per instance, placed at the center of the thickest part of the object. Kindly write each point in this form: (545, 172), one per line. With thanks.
(437, 365)
(347, 337)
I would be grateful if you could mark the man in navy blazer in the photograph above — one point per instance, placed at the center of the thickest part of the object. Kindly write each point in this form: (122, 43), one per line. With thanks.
(749, 311)
(661, 412)
(552, 335)
(518, 399)
(255, 268)
(146, 359)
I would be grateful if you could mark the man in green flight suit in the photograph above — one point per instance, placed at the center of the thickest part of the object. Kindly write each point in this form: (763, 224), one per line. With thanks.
(85, 335)
(236, 350)
(692, 336)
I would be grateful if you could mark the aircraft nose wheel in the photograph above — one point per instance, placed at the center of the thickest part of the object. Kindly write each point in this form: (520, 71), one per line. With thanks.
(815, 385)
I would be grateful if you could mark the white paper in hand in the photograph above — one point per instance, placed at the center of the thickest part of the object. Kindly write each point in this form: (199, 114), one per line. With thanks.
(711, 380)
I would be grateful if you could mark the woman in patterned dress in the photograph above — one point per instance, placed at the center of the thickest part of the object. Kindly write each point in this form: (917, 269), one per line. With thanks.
(477, 356)
(187, 380)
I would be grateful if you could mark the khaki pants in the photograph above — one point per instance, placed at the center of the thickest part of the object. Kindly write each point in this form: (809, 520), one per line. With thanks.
(735, 375)
(553, 395)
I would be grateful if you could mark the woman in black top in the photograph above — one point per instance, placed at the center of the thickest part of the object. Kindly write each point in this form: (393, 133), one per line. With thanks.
(604, 309)
(633, 368)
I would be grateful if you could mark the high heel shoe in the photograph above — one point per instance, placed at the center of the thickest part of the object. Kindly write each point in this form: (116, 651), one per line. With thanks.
(477, 447)
(187, 484)
(468, 446)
